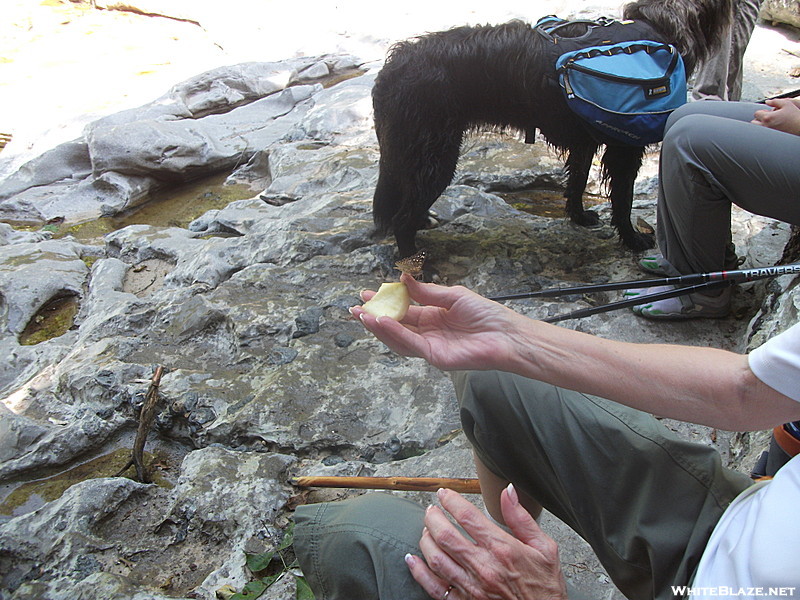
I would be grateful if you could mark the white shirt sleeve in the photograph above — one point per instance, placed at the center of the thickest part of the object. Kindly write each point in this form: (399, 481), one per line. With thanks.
(777, 362)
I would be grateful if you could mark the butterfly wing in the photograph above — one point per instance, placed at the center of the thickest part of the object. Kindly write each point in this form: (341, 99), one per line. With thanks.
(412, 264)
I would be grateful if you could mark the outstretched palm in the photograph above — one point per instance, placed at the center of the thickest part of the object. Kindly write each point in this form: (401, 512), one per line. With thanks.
(453, 329)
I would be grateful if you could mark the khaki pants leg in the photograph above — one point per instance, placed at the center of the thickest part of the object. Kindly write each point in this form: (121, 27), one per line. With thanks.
(355, 549)
(645, 500)
(712, 157)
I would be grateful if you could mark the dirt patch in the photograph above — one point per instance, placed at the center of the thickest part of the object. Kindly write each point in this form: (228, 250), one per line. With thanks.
(146, 277)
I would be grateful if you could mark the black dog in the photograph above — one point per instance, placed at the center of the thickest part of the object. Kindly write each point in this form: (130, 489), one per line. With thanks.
(435, 88)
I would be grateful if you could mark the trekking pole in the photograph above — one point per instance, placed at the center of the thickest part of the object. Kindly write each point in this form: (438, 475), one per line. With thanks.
(789, 94)
(637, 300)
(409, 484)
(687, 284)
(737, 276)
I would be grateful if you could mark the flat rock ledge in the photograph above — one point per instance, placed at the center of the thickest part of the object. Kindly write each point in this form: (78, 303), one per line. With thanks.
(246, 308)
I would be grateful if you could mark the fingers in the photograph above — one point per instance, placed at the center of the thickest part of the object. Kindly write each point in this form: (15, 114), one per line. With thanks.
(446, 535)
(445, 566)
(395, 335)
(449, 557)
(524, 526)
(457, 558)
(431, 294)
(466, 514)
(760, 117)
(401, 337)
(778, 102)
(435, 586)
(489, 563)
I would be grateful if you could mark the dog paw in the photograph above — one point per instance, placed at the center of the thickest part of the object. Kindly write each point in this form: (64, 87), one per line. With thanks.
(638, 242)
(586, 218)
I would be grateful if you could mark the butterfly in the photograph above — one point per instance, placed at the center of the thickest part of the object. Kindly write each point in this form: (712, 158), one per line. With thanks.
(412, 264)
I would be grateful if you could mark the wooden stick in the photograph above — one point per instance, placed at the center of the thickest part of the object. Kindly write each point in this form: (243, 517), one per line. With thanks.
(146, 416)
(409, 484)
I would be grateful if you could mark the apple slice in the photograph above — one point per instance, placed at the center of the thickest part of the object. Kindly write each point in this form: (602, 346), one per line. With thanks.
(391, 300)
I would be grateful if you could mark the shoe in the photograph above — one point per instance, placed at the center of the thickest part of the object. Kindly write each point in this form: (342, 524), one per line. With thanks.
(688, 306)
(658, 265)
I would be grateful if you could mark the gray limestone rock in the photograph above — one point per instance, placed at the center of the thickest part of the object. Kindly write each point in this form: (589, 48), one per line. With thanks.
(32, 274)
(209, 123)
(781, 11)
(267, 375)
(63, 533)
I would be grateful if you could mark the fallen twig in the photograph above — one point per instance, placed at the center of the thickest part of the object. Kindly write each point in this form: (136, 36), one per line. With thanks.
(146, 416)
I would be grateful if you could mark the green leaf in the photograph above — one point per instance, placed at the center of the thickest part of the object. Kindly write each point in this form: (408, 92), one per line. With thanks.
(268, 581)
(288, 537)
(259, 562)
(251, 590)
(303, 590)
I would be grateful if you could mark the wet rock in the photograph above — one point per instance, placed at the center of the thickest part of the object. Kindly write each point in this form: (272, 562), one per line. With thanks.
(342, 114)
(9, 235)
(247, 308)
(63, 533)
(67, 162)
(208, 123)
(33, 273)
(223, 502)
(97, 585)
(308, 322)
(182, 149)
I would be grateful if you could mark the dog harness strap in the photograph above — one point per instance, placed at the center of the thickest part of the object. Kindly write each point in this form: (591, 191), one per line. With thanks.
(599, 32)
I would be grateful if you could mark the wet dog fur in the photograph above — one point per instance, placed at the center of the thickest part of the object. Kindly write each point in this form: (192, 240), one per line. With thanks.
(434, 89)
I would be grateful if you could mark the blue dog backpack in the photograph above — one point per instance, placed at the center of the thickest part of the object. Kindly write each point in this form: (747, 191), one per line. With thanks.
(624, 89)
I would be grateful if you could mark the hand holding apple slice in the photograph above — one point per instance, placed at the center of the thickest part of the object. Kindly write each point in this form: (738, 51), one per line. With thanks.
(391, 300)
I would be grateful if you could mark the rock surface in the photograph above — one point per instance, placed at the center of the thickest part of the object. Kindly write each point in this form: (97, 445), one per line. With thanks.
(781, 11)
(246, 306)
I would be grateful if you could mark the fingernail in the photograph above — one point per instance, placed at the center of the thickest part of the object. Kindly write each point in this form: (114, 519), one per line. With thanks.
(512, 494)
(409, 558)
(441, 493)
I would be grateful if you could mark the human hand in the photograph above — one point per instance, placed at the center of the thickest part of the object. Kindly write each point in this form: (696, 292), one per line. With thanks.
(454, 329)
(785, 115)
(496, 565)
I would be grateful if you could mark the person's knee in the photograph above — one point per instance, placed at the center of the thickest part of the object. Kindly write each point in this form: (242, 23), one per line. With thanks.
(688, 110)
(677, 114)
(690, 143)
(355, 548)
(366, 510)
(493, 402)
(483, 391)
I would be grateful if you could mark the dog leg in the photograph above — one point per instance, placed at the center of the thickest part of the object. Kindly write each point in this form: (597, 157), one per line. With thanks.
(620, 166)
(431, 166)
(579, 161)
(406, 242)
